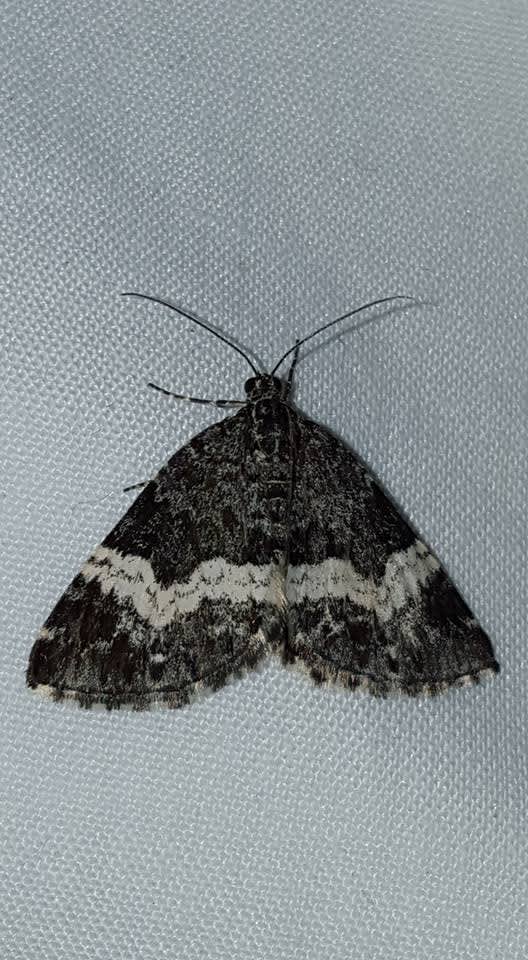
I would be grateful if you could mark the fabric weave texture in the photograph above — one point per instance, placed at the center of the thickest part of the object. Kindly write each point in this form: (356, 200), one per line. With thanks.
(267, 166)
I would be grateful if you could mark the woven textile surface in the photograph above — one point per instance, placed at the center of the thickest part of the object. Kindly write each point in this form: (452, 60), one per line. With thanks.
(268, 166)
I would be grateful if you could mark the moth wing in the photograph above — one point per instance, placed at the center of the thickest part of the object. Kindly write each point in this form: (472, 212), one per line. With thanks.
(369, 604)
(174, 599)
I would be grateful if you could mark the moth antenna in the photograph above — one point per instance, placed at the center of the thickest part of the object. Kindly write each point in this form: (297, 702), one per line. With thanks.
(201, 323)
(373, 303)
(293, 364)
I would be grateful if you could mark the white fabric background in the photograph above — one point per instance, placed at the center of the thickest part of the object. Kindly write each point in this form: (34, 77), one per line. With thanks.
(269, 166)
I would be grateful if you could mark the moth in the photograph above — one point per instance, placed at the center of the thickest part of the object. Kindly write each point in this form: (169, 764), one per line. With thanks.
(265, 534)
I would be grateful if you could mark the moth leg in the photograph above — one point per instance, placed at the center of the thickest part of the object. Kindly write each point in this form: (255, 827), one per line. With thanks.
(182, 396)
(136, 486)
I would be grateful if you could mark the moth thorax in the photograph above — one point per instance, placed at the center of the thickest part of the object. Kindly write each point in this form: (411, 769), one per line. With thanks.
(257, 388)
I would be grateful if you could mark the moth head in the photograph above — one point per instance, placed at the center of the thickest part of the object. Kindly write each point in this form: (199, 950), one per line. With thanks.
(264, 385)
